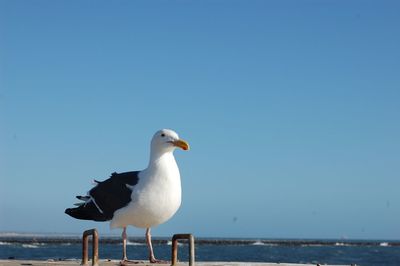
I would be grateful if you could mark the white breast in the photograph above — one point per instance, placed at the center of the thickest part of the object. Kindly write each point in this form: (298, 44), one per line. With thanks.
(155, 198)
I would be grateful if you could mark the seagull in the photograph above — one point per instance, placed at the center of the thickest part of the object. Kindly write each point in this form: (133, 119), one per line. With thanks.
(142, 199)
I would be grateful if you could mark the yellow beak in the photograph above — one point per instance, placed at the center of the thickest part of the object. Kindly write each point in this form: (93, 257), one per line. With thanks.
(181, 144)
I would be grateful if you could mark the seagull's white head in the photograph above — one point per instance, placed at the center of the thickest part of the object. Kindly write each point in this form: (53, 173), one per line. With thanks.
(166, 140)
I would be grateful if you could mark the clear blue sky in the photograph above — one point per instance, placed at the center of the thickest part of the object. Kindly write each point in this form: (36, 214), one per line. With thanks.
(292, 109)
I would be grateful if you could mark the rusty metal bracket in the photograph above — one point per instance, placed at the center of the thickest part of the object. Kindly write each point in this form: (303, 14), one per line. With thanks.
(95, 247)
(174, 256)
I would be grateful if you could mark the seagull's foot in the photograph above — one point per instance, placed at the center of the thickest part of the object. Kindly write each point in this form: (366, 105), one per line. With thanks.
(126, 262)
(154, 260)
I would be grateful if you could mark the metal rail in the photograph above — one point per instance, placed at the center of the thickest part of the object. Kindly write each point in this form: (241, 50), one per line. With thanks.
(95, 247)
(174, 256)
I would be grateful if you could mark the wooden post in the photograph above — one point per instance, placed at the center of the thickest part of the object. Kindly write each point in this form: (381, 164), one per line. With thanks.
(174, 255)
(95, 247)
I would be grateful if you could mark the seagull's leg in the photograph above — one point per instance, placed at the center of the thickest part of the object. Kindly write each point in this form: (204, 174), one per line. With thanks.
(124, 239)
(152, 259)
(150, 246)
(125, 260)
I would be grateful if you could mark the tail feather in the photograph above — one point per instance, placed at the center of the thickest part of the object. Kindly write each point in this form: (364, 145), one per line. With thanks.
(87, 211)
(84, 198)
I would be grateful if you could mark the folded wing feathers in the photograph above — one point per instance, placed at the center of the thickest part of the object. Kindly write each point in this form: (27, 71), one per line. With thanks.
(88, 198)
(130, 179)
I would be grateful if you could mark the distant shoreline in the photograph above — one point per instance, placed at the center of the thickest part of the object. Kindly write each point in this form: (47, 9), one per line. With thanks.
(76, 239)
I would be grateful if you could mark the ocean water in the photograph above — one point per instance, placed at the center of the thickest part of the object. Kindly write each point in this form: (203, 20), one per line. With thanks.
(368, 253)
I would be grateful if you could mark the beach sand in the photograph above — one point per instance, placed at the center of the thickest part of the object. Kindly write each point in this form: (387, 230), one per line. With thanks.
(140, 263)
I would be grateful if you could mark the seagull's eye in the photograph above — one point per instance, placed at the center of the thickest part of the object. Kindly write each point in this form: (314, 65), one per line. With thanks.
(162, 135)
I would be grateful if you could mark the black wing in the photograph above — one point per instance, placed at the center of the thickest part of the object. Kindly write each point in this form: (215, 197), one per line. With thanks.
(106, 197)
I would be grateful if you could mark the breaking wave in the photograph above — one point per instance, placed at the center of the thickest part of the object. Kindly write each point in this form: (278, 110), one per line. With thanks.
(30, 246)
(129, 243)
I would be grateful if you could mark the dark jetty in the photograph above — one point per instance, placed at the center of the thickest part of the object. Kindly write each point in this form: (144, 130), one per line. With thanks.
(36, 239)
